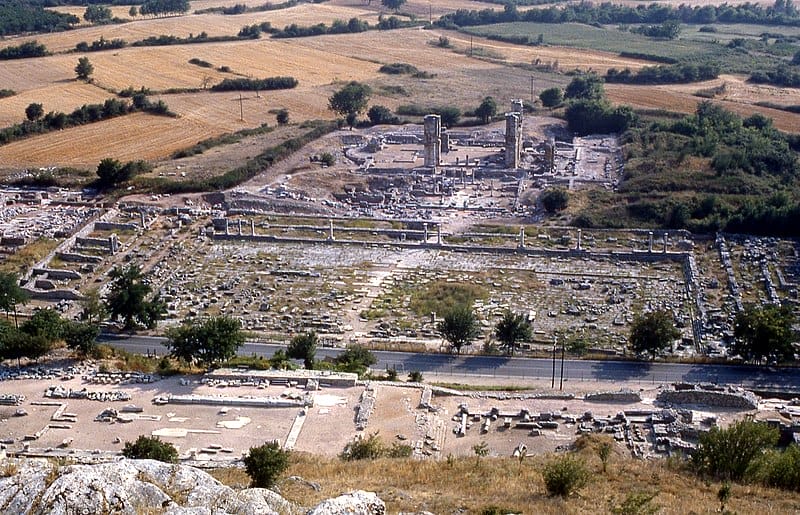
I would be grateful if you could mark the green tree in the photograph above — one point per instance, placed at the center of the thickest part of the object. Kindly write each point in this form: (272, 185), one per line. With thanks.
(487, 110)
(214, 340)
(351, 100)
(97, 14)
(356, 359)
(280, 360)
(11, 294)
(93, 311)
(459, 326)
(46, 324)
(84, 68)
(565, 475)
(587, 86)
(34, 111)
(551, 97)
(18, 344)
(450, 115)
(110, 172)
(764, 334)
(652, 332)
(303, 346)
(150, 448)
(265, 463)
(727, 453)
(393, 4)
(554, 199)
(81, 337)
(133, 12)
(128, 299)
(512, 329)
(381, 115)
(282, 116)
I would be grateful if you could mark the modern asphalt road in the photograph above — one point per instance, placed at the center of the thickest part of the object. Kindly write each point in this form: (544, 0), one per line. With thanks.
(627, 372)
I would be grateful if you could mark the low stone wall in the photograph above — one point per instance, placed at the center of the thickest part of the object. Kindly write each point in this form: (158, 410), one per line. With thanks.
(258, 402)
(719, 399)
(115, 226)
(620, 396)
(74, 257)
(63, 294)
(57, 274)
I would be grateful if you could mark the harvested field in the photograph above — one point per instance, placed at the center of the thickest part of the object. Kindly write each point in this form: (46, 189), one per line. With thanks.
(160, 68)
(212, 23)
(413, 46)
(54, 97)
(137, 136)
(685, 102)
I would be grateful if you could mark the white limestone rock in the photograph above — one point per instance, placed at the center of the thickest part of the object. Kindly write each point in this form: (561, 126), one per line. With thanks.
(127, 487)
(353, 503)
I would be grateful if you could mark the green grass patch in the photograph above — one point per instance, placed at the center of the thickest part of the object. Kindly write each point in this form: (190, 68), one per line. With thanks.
(441, 296)
(611, 39)
(482, 387)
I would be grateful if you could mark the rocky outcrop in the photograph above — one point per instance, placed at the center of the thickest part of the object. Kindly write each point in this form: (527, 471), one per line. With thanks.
(34, 487)
(360, 502)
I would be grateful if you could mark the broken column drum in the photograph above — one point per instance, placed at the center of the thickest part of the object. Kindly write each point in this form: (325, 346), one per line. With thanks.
(432, 139)
(513, 139)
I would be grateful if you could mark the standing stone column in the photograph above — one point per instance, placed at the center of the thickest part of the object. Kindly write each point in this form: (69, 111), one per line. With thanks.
(330, 231)
(432, 129)
(522, 237)
(438, 234)
(650, 241)
(425, 232)
(579, 240)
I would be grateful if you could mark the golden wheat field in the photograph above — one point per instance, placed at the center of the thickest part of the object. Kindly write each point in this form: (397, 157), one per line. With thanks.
(137, 136)
(682, 100)
(53, 97)
(181, 26)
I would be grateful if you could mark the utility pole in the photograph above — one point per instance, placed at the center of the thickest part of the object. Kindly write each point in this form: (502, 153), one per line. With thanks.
(241, 107)
(430, 14)
(470, 46)
(561, 386)
(553, 380)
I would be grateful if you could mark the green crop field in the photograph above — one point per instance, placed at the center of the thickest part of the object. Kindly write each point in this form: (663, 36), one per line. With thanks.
(612, 39)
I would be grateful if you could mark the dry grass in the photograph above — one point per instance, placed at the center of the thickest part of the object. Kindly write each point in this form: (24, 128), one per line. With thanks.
(28, 255)
(471, 485)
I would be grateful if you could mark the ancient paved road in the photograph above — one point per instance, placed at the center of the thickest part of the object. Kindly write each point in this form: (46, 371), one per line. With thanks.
(629, 372)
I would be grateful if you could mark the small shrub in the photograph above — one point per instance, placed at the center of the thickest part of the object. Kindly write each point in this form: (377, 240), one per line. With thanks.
(150, 448)
(282, 117)
(368, 448)
(727, 453)
(327, 159)
(399, 450)
(637, 503)
(415, 376)
(565, 475)
(265, 463)
(9, 469)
